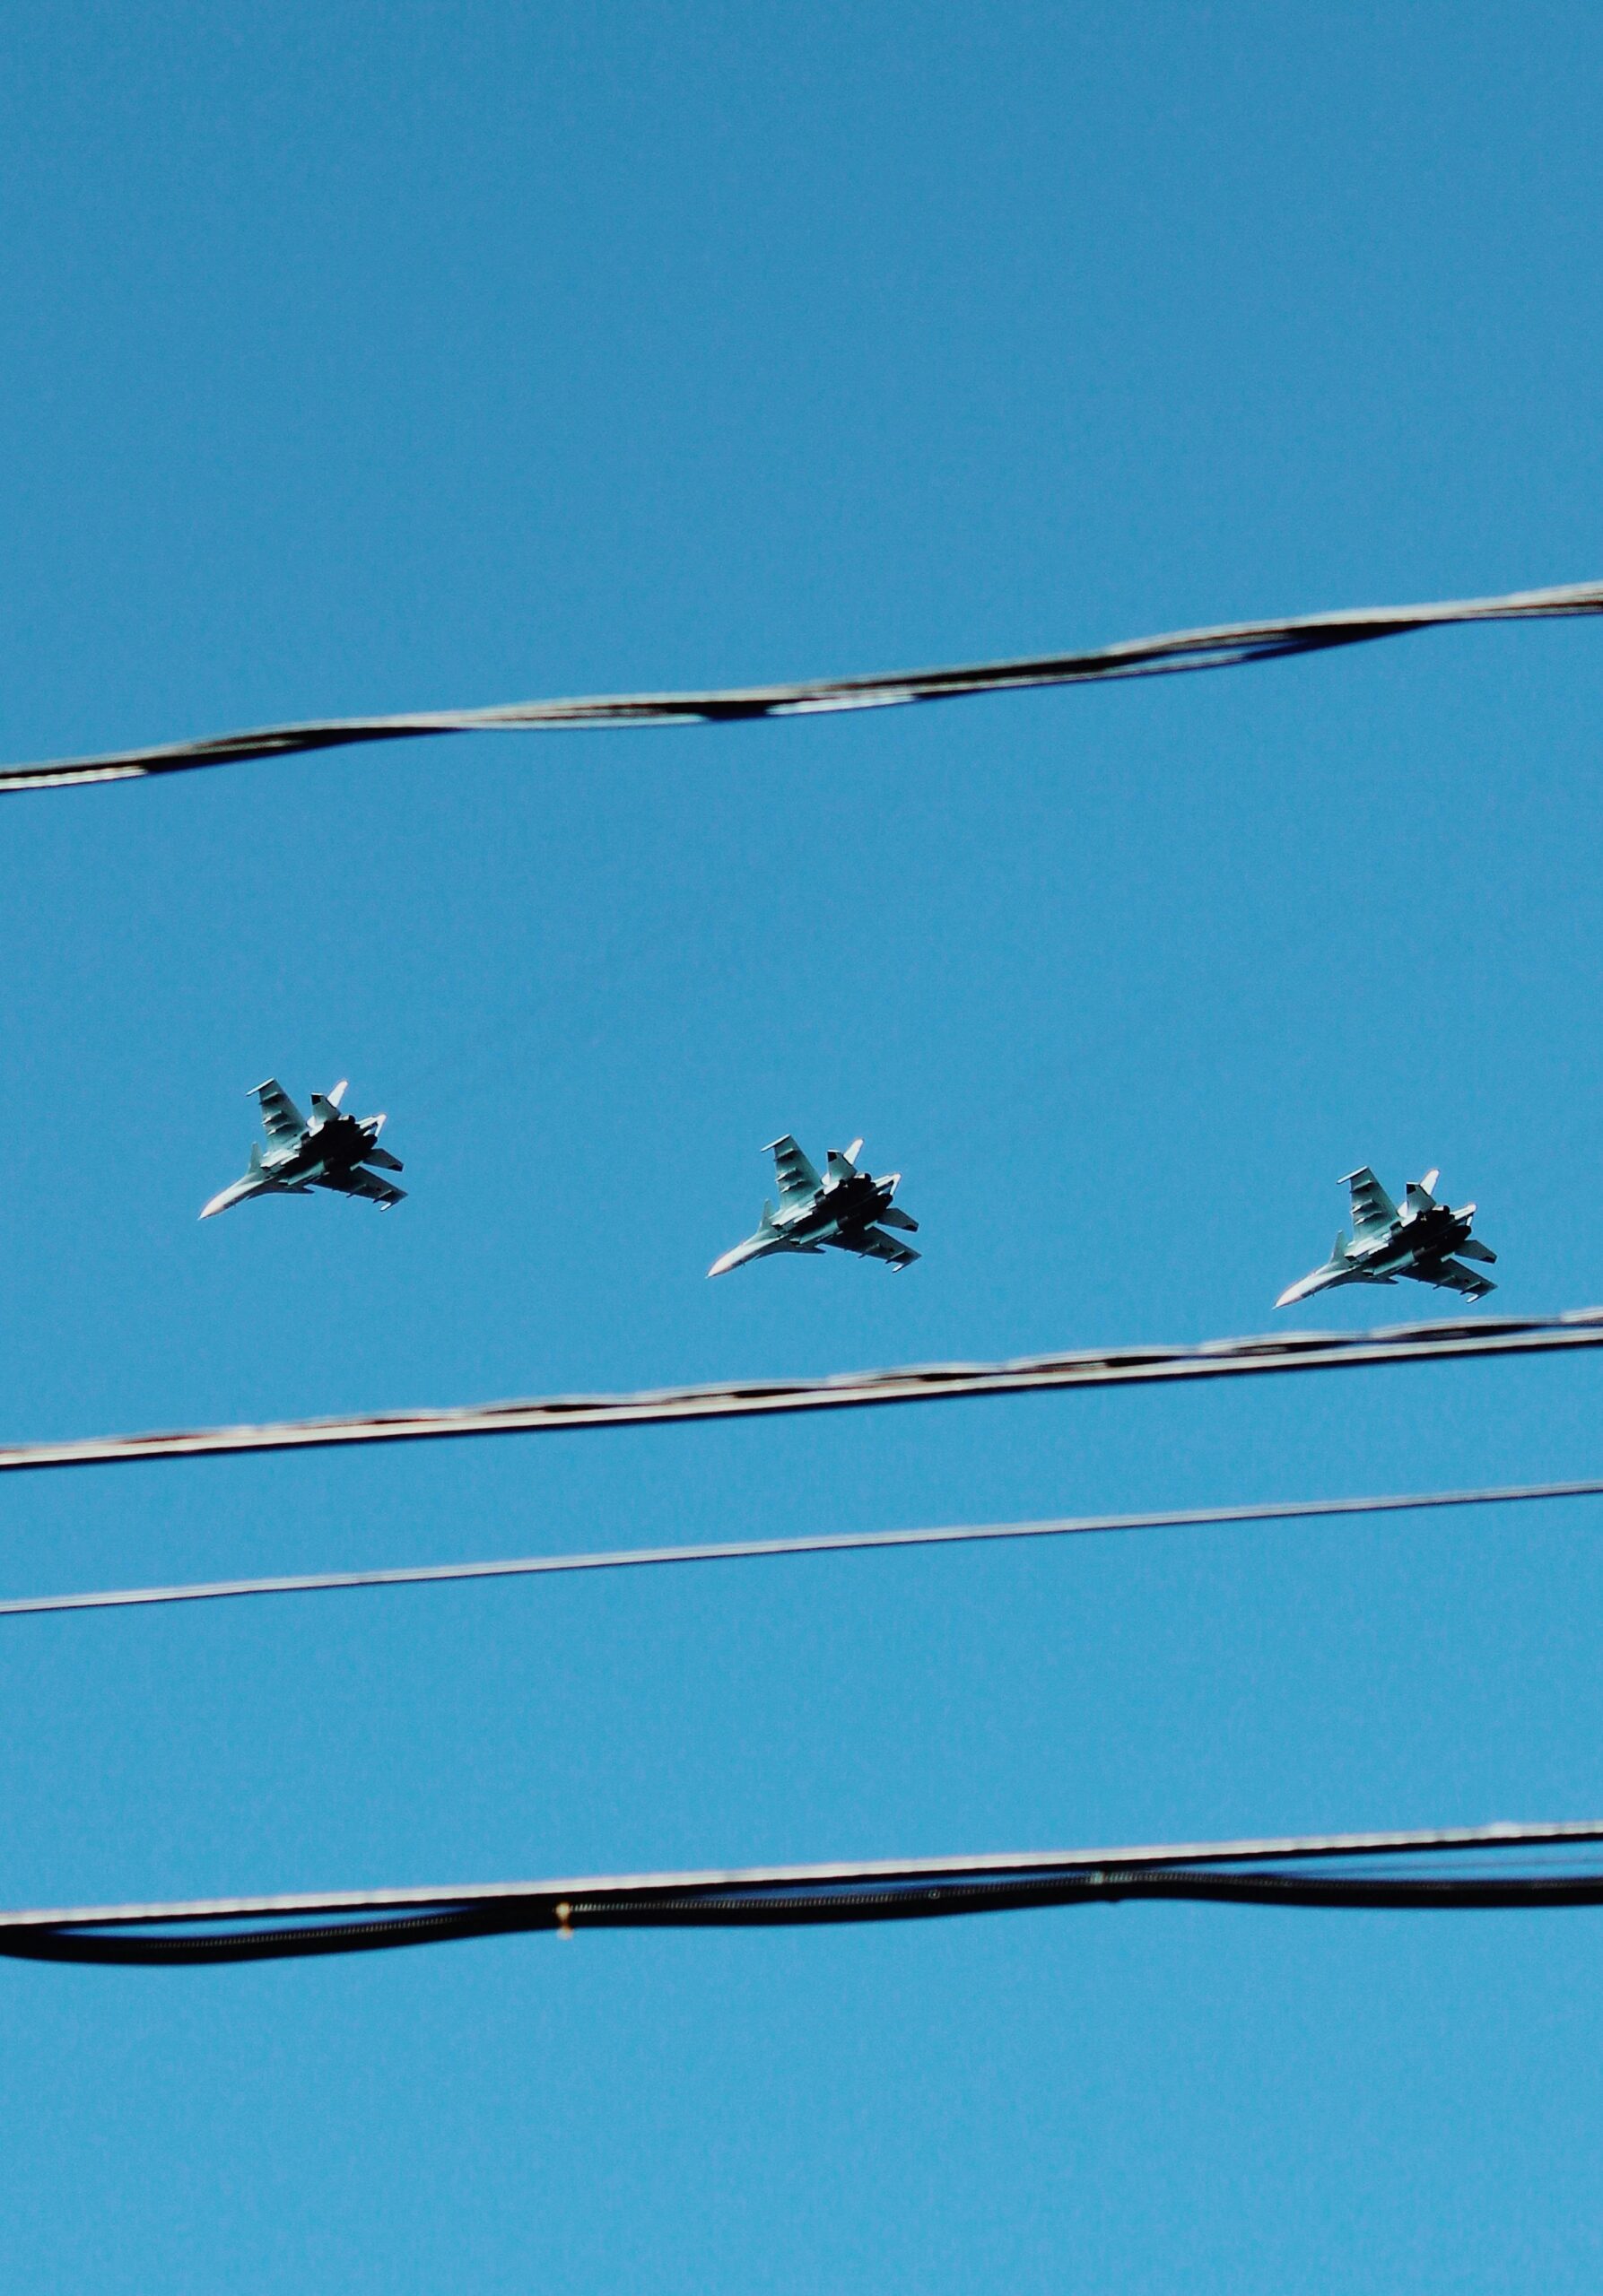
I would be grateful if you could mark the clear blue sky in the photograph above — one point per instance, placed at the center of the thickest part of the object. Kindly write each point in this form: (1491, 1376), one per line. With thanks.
(373, 357)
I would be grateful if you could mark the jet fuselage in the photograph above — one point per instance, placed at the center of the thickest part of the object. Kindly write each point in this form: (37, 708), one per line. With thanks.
(1420, 1239)
(1432, 1235)
(839, 1207)
(337, 1145)
(332, 1150)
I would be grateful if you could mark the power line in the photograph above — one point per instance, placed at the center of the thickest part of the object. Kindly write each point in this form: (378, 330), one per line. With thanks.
(1219, 647)
(823, 1542)
(1346, 1871)
(1450, 1338)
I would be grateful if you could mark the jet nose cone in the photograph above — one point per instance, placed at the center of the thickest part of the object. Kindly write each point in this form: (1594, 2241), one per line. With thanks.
(721, 1266)
(226, 1198)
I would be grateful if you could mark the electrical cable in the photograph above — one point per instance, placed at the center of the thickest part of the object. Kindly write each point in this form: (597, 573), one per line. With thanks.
(1222, 647)
(1291, 1871)
(822, 1542)
(1448, 1338)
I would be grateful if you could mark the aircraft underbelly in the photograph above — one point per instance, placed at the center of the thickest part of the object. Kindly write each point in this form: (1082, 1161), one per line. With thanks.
(814, 1230)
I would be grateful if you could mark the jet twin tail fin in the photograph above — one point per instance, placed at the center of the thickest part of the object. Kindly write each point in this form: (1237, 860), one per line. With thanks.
(1418, 1197)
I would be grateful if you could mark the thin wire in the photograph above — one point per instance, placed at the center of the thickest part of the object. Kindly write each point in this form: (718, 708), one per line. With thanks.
(882, 1889)
(1448, 1338)
(825, 1543)
(1219, 647)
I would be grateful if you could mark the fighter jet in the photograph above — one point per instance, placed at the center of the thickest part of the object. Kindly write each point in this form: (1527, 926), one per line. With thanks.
(1417, 1242)
(333, 1151)
(838, 1210)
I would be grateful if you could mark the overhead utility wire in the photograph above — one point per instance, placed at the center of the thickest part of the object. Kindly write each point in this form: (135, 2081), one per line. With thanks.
(1216, 1359)
(1219, 647)
(822, 1542)
(1324, 1870)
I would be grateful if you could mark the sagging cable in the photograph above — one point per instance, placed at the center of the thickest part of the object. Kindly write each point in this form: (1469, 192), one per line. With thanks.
(1449, 1339)
(822, 1542)
(1222, 647)
(1466, 1867)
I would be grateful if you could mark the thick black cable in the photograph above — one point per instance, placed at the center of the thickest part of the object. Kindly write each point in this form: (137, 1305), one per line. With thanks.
(820, 1543)
(1222, 647)
(1446, 1339)
(1288, 1872)
(1332, 1893)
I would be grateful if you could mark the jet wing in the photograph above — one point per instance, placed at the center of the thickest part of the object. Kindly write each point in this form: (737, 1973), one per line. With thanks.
(361, 1183)
(1373, 1212)
(283, 1119)
(1456, 1277)
(796, 1176)
(873, 1243)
